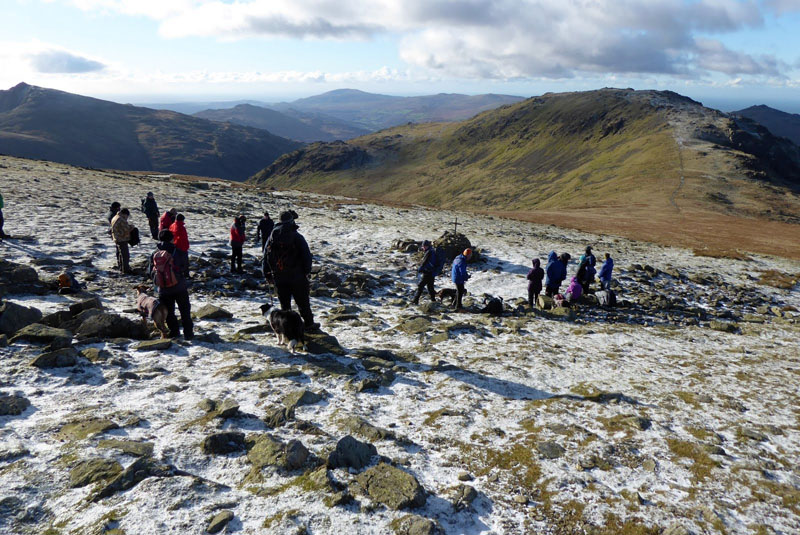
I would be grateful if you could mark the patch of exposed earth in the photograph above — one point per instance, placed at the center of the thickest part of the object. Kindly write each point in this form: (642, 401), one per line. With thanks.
(676, 412)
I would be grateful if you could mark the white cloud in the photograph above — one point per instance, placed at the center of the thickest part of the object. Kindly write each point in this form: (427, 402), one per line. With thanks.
(60, 61)
(493, 39)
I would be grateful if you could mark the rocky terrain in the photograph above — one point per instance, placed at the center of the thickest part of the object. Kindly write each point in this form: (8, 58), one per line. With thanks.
(675, 413)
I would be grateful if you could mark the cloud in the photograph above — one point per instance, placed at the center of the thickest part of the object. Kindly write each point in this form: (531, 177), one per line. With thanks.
(494, 39)
(63, 62)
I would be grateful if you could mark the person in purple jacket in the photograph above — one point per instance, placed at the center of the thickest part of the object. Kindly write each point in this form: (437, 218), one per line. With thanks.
(574, 290)
(535, 276)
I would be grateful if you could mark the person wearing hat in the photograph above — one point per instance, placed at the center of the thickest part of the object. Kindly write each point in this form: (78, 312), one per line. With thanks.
(181, 241)
(555, 272)
(121, 233)
(167, 219)
(427, 269)
(460, 276)
(150, 209)
(177, 294)
(237, 244)
(288, 259)
(591, 271)
(265, 226)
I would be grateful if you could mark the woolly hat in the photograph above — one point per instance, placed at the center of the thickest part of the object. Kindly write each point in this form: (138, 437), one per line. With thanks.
(426, 243)
(165, 235)
(467, 252)
(149, 193)
(287, 216)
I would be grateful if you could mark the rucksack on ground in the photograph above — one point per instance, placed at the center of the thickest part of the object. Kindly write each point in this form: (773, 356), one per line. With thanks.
(164, 271)
(439, 258)
(606, 298)
(493, 306)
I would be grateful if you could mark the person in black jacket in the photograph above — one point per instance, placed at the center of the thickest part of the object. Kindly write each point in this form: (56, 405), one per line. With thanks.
(426, 269)
(265, 226)
(287, 261)
(177, 294)
(150, 209)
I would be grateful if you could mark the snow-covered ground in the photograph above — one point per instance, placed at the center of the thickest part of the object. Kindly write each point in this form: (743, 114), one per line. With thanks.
(698, 429)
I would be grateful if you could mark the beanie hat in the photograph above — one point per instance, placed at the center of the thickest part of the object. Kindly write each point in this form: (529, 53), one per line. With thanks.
(149, 193)
(426, 243)
(287, 216)
(165, 235)
(467, 252)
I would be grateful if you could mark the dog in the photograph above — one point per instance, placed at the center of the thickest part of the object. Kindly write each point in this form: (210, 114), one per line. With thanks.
(150, 307)
(287, 325)
(449, 293)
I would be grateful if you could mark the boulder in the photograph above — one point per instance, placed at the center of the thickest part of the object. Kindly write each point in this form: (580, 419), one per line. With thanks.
(107, 325)
(36, 332)
(154, 345)
(415, 325)
(13, 405)
(392, 487)
(299, 397)
(361, 427)
(137, 472)
(85, 428)
(453, 244)
(319, 343)
(92, 471)
(131, 447)
(415, 525)
(14, 317)
(351, 453)
(14, 273)
(724, 326)
(227, 409)
(60, 358)
(57, 319)
(86, 304)
(212, 312)
(222, 443)
(219, 521)
(550, 449)
(278, 416)
(265, 450)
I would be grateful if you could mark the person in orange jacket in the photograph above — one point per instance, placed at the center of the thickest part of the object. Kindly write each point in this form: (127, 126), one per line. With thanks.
(181, 242)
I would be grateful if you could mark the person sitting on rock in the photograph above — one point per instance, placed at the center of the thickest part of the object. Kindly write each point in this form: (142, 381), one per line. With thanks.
(181, 241)
(167, 219)
(237, 244)
(535, 276)
(265, 226)
(574, 290)
(171, 286)
(121, 232)
(460, 276)
(426, 270)
(289, 260)
(555, 272)
(605, 272)
(150, 209)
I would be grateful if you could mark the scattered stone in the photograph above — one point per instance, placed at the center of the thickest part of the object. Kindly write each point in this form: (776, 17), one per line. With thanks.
(13, 405)
(14, 317)
(463, 496)
(392, 487)
(85, 428)
(57, 319)
(37, 332)
(337, 498)
(520, 499)
(752, 434)
(676, 529)
(415, 325)
(352, 453)
(550, 450)
(88, 304)
(60, 358)
(219, 521)
(415, 525)
(212, 312)
(228, 408)
(92, 471)
(137, 449)
(724, 326)
(154, 345)
(464, 476)
(137, 472)
(359, 426)
(649, 465)
(299, 397)
(278, 416)
(107, 325)
(265, 450)
(272, 373)
(222, 443)
(319, 343)
(94, 355)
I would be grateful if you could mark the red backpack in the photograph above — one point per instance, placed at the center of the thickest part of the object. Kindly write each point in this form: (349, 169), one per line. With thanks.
(164, 270)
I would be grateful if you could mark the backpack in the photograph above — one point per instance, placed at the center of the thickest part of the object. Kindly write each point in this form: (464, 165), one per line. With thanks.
(282, 256)
(493, 306)
(606, 298)
(134, 237)
(439, 258)
(164, 270)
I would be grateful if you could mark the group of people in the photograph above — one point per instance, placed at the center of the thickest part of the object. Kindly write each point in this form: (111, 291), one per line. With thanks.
(553, 275)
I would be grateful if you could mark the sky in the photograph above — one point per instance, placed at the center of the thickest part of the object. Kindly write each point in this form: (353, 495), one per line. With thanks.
(726, 53)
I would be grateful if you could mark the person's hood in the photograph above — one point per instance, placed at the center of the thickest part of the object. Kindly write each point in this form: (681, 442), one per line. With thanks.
(165, 246)
(288, 225)
(552, 257)
(536, 262)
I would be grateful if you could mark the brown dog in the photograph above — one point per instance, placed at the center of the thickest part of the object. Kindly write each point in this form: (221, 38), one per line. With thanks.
(150, 307)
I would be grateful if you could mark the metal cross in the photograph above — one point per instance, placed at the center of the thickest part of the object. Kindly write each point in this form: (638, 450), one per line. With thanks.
(455, 225)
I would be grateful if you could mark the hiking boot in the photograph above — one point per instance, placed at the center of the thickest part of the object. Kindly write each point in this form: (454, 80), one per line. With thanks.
(313, 326)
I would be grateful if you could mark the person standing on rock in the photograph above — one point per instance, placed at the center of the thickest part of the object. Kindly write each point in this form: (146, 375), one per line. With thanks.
(460, 276)
(150, 209)
(426, 270)
(171, 286)
(289, 260)
(167, 219)
(237, 243)
(121, 232)
(535, 276)
(555, 272)
(605, 273)
(265, 226)
(2, 220)
(181, 241)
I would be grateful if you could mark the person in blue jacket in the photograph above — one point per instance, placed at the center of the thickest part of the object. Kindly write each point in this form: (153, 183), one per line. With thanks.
(460, 276)
(605, 273)
(555, 272)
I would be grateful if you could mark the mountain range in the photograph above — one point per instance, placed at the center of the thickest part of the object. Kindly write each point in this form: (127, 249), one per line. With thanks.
(53, 125)
(778, 122)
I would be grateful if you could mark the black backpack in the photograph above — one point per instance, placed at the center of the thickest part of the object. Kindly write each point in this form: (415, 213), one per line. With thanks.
(439, 258)
(134, 237)
(493, 306)
(282, 256)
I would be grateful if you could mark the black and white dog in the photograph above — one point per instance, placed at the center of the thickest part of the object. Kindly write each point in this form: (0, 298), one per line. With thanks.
(287, 325)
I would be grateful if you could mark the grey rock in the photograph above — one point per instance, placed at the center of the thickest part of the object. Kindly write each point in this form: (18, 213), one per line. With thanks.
(212, 312)
(415, 525)
(13, 405)
(137, 472)
(463, 496)
(278, 416)
(87, 304)
(137, 449)
(265, 450)
(550, 449)
(392, 487)
(228, 408)
(59, 358)
(219, 521)
(57, 319)
(36, 332)
(82, 429)
(300, 397)
(222, 443)
(361, 427)
(14, 317)
(107, 325)
(92, 471)
(352, 453)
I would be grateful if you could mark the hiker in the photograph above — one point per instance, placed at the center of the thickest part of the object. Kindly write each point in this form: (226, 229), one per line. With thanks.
(237, 242)
(167, 219)
(121, 232)
(180, 239)
(2, 221)
(113, 210)
(555, 272)
(288, 261)
(150, 210)
(605, 272)
(460, 276)
(535, 276)
(171, 286)
(591, 271)
(427, 269)
(265, 226)
(574, 290)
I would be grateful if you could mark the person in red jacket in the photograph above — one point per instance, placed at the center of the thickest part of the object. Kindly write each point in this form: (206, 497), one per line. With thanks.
(167, 219)
(181, 242)
(237, 243)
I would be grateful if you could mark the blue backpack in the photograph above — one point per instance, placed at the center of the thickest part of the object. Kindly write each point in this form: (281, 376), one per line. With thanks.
(439, 258)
